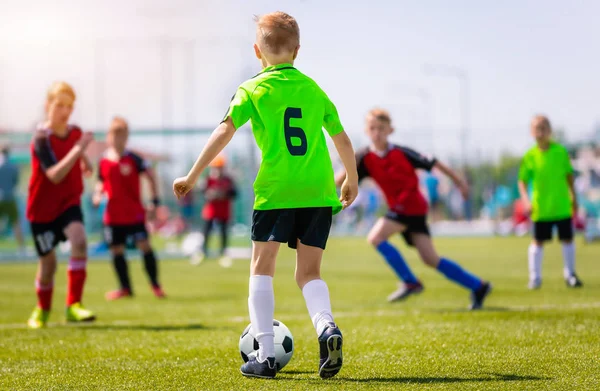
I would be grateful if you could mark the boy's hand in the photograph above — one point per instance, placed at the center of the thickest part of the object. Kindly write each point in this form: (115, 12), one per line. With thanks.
(96, 199)
(575, 207)
(86, 139)
(527, 207)
(182, 186)
(349, 192)
(463, 187)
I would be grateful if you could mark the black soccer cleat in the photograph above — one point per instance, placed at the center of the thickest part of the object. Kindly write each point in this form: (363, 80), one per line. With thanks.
(330, 346)
(404, 291)
(478, 296)
(261, 369)
(573, 281)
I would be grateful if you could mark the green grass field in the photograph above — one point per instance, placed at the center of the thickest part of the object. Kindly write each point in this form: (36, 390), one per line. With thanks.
(547, 339)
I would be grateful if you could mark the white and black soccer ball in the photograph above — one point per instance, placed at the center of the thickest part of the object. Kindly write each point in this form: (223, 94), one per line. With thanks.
(284, 344)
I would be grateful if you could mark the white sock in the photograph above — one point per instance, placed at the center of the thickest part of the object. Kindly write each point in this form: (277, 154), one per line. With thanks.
(568, 250)
(261, 306)
(536, 254)
(316, 295)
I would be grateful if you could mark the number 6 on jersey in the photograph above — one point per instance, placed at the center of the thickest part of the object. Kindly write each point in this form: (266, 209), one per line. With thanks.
(294, 132)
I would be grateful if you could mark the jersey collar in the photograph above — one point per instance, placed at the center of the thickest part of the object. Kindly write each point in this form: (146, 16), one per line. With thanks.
(278, 67)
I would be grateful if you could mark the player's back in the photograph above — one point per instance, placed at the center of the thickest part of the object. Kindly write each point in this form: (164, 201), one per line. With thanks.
(288, 111)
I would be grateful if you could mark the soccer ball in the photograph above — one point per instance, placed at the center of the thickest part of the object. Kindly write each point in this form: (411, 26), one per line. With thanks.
(284, 344)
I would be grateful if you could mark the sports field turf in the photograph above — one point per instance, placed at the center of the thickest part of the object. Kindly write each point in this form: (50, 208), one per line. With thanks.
(547, 339)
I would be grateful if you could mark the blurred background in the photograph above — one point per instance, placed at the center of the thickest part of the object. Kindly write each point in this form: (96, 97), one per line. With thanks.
(461, 80)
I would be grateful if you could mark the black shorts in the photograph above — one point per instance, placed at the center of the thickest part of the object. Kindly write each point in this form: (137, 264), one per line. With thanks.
(47, 235)
(116, 235)
(543, 230)
(309, 225)
(413, 224)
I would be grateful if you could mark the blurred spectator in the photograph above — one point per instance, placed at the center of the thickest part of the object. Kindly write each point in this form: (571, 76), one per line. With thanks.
(186, 207)
(432, 184)
(219, 191)
(9, 178)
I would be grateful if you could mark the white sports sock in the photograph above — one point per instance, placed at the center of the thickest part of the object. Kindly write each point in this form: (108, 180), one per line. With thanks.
(568, 250)
(261, 306)
(316, 295)
(536, 254)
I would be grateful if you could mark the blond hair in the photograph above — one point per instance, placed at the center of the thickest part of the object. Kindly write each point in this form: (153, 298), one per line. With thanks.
(60, 87)
(118, 123)
(380, 115)
(543, 118)
(277, 32)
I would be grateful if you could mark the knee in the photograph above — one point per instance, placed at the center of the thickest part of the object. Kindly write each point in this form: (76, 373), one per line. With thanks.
(432, 261)
(537, 243)
(79, 244)
(375, 239)
(117, 250)
(144, 246)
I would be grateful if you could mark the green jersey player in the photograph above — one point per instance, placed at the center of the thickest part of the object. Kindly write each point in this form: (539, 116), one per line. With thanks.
(295, 193)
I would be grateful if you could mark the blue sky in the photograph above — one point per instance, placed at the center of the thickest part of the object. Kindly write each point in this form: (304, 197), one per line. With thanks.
(521, 57)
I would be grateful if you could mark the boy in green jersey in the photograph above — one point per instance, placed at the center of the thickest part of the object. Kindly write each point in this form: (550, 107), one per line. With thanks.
(295, 193)
(548, 169)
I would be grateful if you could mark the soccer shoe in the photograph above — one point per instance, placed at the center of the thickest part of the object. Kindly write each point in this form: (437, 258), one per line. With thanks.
(38, 318)
(478, 296)
(158, 292)
(573, 281)
(535, 284)
(76, 313)
(225, 262)
(118, 294)
(196, 258)
(263, 369)
(330, 346)
(404, 290)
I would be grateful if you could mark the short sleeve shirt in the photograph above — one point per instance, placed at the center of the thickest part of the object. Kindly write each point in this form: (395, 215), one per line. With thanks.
(547, 172)
(288, 112)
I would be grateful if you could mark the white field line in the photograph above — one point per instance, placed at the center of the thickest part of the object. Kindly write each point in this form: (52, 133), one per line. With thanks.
(348, 314)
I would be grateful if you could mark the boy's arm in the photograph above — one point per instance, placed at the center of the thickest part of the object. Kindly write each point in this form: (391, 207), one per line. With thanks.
(57, 171)
(98, 192)
(349, 189)
(219, 138)
(458, 181)
(151, 178)
(571, 182)
(86, 166)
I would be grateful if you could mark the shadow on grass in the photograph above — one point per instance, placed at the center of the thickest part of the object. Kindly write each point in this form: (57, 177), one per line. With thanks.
(147, 327)
(493, 377)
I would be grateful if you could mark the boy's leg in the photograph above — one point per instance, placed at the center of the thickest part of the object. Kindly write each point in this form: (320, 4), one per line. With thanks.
(450, 269)
(150, 263)
(115, 237)
(316, 295)
(565, 234)
(76, 273)
(261, 299)
(122, 271)
(44, 287)
(208, 226)
(378, 236)
(224, 236)
(542, 232)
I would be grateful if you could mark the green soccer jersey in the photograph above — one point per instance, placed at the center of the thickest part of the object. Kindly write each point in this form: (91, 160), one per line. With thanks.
(547, 171)
(288, 112)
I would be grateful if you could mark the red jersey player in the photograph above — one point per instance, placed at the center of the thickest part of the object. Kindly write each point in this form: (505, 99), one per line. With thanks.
(53, 204)
(125, 216)
(393, 168)
(219, 190)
